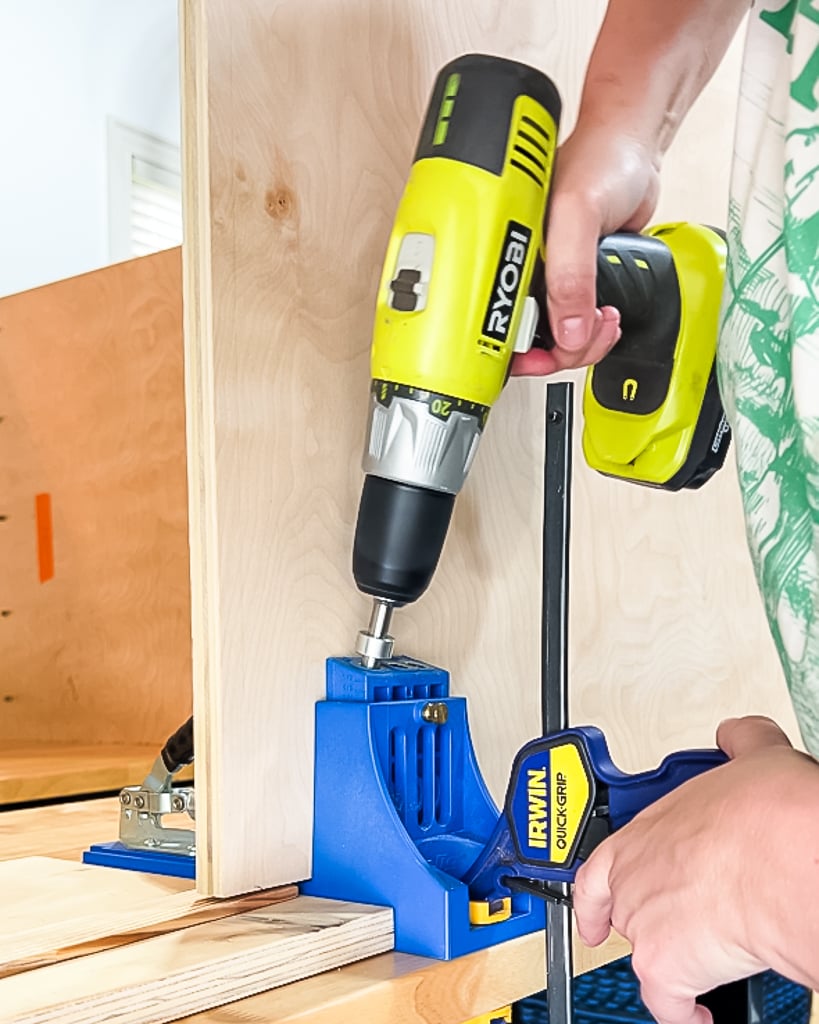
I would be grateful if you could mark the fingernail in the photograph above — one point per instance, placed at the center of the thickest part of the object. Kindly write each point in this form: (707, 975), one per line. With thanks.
(571, 332)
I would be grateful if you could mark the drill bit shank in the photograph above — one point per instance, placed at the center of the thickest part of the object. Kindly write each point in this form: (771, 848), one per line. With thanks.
(374, 644)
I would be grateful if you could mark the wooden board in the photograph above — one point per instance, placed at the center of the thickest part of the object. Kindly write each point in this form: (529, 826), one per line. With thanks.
(162, 978)
(402, 989)
(58, 830)
(49, 904)
(54, 910)
(94, 590)
(300, 124)
(40, 771)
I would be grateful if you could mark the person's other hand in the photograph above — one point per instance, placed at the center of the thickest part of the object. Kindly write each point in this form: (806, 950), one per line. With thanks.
(718, 880)
(603, 181)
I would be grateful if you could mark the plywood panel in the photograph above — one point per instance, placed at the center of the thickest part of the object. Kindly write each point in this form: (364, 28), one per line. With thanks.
(54, 910)
(403, 989)
(96, 648)
(50, 903)
(300, 125)
(161, 978)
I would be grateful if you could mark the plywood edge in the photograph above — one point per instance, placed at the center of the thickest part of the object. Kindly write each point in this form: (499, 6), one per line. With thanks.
(161, 922)
(199, 419)
(202, 967)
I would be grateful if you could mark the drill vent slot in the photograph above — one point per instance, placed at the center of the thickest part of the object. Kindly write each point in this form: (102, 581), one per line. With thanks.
(530, 156)
(527, 171)
(530, 121)
(531, 145)
(530, 140)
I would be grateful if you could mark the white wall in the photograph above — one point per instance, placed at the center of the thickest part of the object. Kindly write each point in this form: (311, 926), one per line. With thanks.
(64, 68)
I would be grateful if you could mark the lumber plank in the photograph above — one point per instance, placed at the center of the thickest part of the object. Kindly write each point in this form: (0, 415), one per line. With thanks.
(94, 588)
(49, 904)
(56, 910)
(58, 830)
(403, 989)
(160, 979)
(200, 912)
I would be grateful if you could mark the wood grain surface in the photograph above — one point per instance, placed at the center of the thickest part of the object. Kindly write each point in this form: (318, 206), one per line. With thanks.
(402, 989)
(300, 126)
(95, 648)
(44, 771)
(58, 830)
(55, 910)
(159, 979)
(50, 904)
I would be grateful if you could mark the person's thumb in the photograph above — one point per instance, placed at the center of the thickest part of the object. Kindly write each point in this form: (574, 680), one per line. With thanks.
(571, 271)
(738, 736)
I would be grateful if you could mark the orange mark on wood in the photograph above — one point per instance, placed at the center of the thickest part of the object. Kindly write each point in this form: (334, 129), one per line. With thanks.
(45, 536)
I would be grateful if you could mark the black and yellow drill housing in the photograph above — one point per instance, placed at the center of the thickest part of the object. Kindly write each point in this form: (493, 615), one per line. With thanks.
(478, 185)
(467, 237)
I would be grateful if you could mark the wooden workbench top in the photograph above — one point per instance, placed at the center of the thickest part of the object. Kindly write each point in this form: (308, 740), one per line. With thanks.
(31, 771)
(393, 987)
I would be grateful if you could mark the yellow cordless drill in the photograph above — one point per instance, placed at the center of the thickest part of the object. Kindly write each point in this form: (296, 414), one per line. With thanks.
(462, 290)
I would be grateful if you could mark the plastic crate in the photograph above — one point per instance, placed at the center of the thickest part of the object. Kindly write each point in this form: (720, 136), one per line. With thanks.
(612, 994)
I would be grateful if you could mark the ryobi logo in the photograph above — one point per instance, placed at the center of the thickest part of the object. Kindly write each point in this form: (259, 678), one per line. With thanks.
(505, 289)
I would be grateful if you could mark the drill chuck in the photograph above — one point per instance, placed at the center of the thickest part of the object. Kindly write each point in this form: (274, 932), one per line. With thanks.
(398, 538)
(420, 447)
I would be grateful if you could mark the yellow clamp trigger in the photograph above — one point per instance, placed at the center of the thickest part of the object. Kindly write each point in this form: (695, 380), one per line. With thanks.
(503, 1015)
(490, 911)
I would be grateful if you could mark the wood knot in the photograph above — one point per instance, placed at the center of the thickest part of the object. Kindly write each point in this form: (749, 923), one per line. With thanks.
(279, 203)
